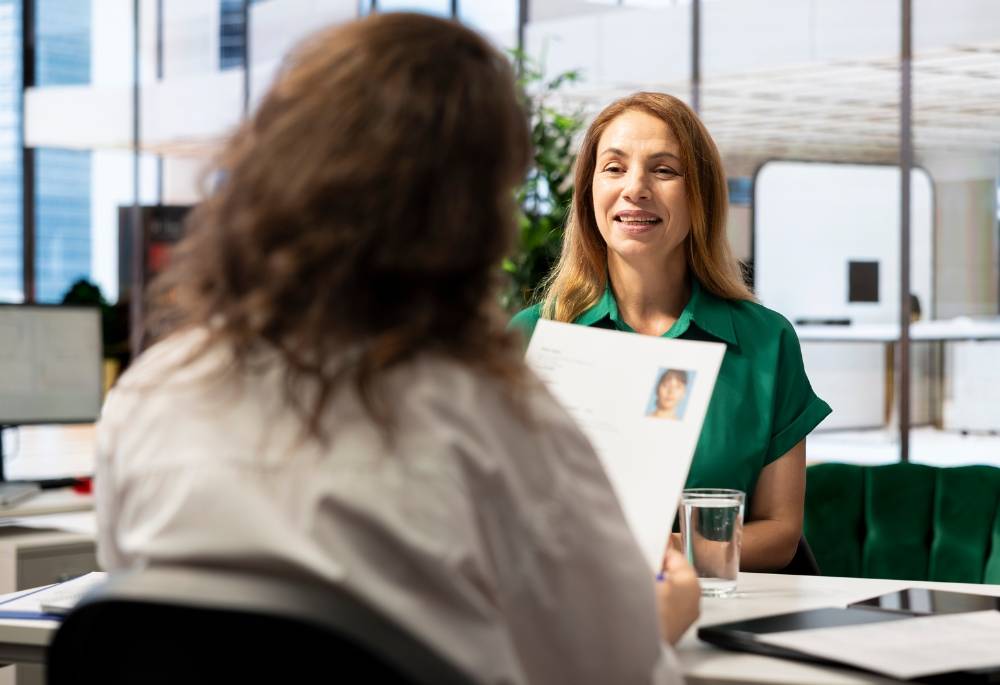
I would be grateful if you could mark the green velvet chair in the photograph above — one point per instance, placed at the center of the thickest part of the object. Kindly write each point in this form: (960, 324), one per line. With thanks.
(905, 521)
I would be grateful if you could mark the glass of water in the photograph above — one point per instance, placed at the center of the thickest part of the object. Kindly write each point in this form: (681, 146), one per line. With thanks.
(711, 533)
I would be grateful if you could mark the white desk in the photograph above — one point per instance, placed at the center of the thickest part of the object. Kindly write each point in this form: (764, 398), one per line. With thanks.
(762, 594)
(36, 549)
(937, 330)
(759, 594)
(837, 371)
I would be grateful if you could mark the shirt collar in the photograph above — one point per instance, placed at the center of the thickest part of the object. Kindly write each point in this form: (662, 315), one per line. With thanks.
(604, 308)
(710, 313)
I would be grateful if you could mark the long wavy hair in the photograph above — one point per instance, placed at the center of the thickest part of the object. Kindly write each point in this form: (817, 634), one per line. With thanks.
(580, 276)
(360, 214)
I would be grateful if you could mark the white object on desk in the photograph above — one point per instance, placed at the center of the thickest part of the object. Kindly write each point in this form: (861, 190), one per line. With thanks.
(54, 599)
(909, 648)
(62, 598)
(764, 594)
(12, 494)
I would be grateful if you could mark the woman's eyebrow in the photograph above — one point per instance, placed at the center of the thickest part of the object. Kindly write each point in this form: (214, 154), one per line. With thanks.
(620, 153)
(612, 151)
(657, 155)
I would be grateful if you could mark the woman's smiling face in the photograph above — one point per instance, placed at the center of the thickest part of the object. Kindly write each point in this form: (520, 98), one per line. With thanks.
(639, 193)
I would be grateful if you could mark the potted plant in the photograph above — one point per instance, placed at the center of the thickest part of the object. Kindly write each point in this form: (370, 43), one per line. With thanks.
(544, 198)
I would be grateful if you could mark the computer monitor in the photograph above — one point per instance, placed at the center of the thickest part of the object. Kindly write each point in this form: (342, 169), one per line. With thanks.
(51, 371)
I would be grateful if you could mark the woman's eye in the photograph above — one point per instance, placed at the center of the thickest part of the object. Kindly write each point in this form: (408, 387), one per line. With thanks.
(613, 169)
(666, 171)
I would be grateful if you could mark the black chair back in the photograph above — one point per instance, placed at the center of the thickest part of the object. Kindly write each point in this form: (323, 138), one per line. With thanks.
(804, 562)
(162, 626)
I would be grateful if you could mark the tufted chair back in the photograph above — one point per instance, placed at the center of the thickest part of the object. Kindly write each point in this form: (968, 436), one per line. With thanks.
(905, 521)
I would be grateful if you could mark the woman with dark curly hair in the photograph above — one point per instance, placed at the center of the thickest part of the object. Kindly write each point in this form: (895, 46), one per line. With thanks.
(333, 395)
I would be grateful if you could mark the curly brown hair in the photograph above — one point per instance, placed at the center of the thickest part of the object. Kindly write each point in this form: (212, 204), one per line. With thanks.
(365, 207)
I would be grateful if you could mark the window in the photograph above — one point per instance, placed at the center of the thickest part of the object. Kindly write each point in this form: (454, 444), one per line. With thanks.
(442, 8)
(11, 244)
(62, 177)
(231, 33)
(231, 30)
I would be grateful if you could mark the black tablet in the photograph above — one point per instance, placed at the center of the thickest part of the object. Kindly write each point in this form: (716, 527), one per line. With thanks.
(920, 601)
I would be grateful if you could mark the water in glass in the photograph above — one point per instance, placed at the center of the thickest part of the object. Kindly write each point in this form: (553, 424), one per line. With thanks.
(712, 530)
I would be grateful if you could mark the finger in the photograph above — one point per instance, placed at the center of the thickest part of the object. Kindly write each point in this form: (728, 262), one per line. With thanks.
(676, 564)
(673, 558)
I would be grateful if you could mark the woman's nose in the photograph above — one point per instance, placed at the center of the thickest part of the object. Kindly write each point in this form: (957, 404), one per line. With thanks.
(636, 187)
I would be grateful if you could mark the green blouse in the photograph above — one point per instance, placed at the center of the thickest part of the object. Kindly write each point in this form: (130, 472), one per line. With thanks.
(762, 405)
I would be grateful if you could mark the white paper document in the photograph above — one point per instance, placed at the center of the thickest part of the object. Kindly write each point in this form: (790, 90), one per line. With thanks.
(51, 599)
(909, 648)
(641, 401)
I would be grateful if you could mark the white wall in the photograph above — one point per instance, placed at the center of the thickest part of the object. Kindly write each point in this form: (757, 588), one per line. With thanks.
(276, 26)
(811, 219)
(616, 46)
(190, 37)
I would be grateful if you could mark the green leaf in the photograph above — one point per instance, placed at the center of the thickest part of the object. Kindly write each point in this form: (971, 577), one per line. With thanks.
(546, 193)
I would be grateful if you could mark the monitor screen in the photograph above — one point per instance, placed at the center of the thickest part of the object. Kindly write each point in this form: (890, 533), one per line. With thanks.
(50, 363)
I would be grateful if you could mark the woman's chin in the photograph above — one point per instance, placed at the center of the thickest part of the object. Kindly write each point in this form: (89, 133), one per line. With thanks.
(637, 249)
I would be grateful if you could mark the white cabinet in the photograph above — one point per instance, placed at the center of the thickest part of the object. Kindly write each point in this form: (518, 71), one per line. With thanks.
(31, 557)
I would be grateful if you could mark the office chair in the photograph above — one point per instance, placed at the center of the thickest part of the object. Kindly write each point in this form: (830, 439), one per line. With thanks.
(184, 625)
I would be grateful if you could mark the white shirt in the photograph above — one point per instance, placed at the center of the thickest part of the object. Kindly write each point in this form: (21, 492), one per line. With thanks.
(492, 535)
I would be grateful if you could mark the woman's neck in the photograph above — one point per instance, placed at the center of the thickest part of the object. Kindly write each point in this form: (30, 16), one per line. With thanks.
(650, 300)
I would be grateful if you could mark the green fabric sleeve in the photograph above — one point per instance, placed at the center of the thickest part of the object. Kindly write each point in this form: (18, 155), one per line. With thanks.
(797, 409)
(525, 321)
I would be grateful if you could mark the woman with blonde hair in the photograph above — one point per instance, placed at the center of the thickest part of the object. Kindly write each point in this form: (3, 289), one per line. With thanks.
(645, 251)
(334, 397)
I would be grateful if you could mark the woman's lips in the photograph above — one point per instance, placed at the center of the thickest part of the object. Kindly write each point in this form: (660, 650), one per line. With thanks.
(636, 222)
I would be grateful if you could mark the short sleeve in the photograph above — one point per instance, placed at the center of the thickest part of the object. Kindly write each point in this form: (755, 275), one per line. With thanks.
(525, 321)
(797, 409)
